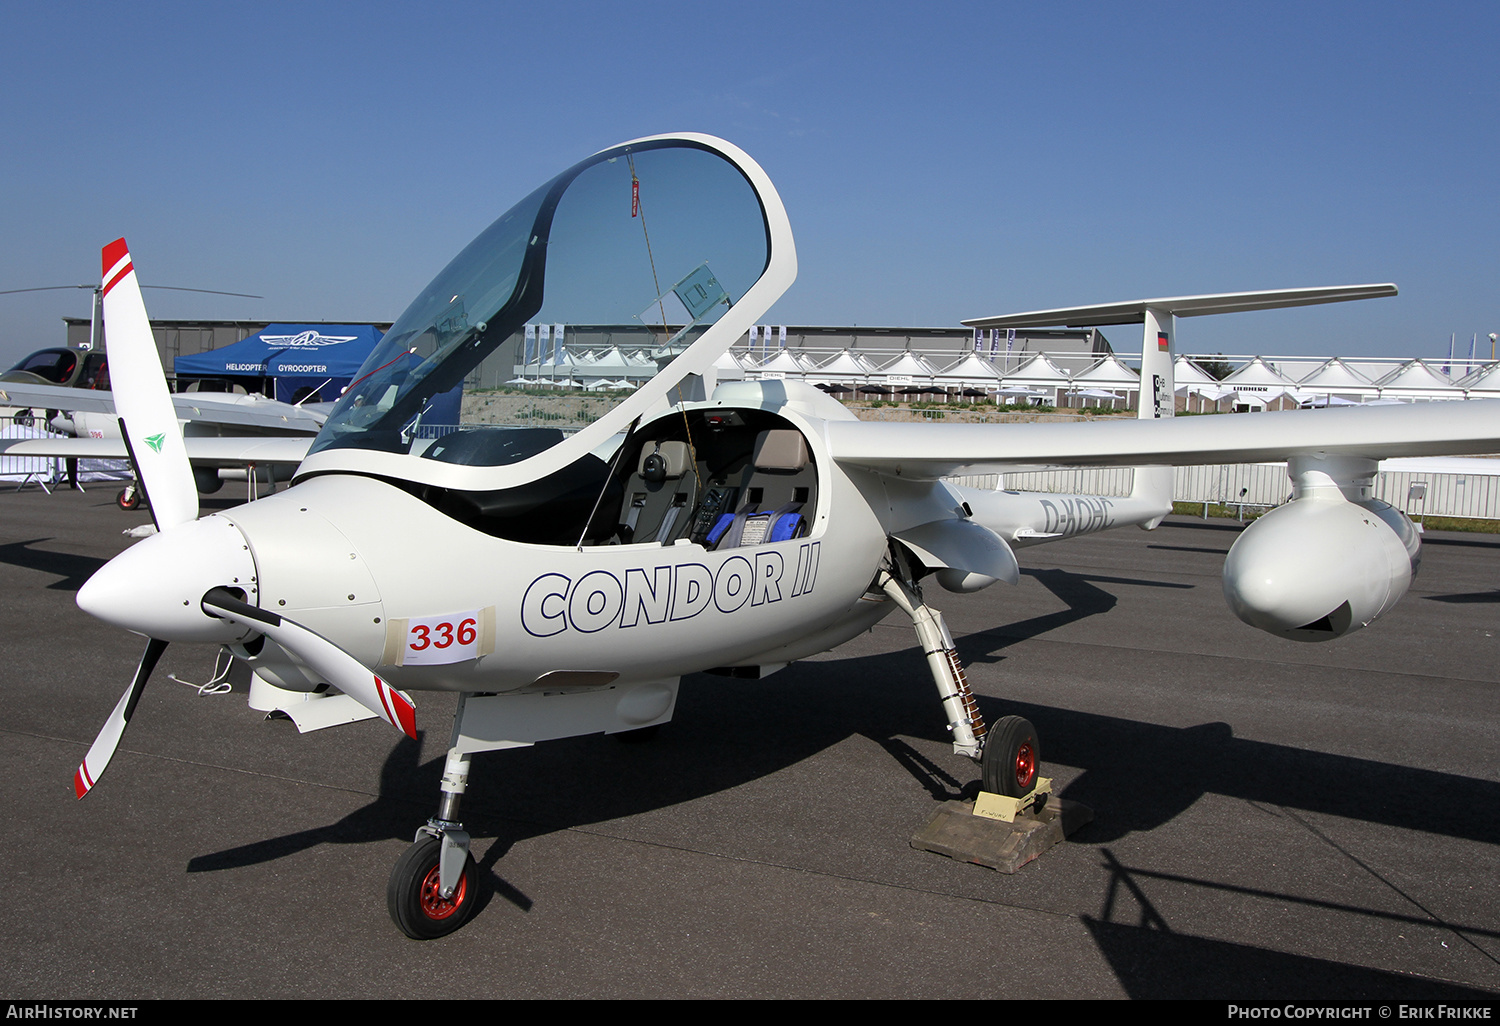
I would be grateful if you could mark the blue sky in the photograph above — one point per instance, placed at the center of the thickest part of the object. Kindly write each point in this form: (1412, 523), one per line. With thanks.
(938, 160)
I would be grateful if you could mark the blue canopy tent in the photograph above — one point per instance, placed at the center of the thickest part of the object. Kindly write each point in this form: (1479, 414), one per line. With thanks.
(297, 358)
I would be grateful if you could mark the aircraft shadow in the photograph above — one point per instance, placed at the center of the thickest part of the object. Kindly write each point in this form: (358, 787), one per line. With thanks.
(75, 569)
(1136, 775)
(1189, 548)
(1159, 964)
(1151, 960)
(1472, 543)
(1083, 596)
(401, 777)
(1467, 597)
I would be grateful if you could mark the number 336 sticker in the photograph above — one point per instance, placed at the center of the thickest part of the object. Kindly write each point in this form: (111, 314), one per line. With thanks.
(451, 638)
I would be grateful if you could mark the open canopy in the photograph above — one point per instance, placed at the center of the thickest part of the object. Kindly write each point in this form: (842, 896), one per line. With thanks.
(675, 240)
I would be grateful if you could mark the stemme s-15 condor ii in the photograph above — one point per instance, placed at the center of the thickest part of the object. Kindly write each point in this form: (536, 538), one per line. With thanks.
(562, 578)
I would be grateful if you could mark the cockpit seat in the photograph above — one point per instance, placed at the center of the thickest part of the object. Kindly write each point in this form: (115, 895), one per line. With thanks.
(780, 484)
(658, 493)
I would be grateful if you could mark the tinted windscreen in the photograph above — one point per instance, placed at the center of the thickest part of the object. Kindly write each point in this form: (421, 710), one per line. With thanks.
(583, 291)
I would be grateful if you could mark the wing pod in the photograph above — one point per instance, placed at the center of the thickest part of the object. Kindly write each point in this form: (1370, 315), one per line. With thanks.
(965, 556)
(1329, 562)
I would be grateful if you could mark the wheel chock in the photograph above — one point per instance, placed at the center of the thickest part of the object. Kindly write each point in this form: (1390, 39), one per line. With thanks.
(999, 806)
(957, 832)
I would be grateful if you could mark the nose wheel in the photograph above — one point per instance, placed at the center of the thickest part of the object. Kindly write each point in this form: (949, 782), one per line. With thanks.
(415, 896)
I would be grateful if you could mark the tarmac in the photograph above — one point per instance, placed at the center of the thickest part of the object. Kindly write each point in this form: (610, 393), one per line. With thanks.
(1273, 820)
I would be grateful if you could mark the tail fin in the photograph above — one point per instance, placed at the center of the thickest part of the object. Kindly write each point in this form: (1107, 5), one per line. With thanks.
(1158, 399)
(147, 418)
(1158, 352)
(1159, 316)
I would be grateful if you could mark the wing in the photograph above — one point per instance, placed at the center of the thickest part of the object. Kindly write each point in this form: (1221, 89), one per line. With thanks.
(55, 397)
(247, 411)
(205, 451)
(930, 451)
(254, 412)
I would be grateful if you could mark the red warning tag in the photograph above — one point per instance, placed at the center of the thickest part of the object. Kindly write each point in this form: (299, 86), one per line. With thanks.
(635, 196)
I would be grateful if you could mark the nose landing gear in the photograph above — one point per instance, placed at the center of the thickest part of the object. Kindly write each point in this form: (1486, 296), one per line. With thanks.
(434, 885)
(414, 894)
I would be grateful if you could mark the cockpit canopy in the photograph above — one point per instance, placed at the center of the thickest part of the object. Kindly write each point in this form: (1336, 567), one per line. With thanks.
(633, 255)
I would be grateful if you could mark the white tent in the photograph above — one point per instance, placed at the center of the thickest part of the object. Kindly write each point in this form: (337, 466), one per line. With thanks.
(1186, 373)
(1415, 380)
(1039, 374)
(1257, 375)
(907, 369)
(1485, 380)
(1108, 379)
(782, 365)
(1335, 379)
(971, 370)
(845, 366)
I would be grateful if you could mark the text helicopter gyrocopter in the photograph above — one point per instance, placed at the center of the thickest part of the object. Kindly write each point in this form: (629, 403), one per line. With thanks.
(572, 573)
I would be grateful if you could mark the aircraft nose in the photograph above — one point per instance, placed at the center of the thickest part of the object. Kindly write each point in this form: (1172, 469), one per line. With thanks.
(155, 587)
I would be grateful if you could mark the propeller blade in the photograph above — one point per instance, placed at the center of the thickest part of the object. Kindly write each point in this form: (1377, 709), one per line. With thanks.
(103, 749)
(326, 659)
(147, 418)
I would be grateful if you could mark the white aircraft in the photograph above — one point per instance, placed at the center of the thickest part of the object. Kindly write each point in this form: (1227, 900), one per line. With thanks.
(561, 579)
(90, 414)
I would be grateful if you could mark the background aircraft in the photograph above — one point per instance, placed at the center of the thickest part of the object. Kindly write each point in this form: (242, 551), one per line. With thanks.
(562, 581)
(89, 414)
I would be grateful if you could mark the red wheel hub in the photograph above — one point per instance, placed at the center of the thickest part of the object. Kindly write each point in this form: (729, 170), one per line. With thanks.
(1025, 766)
(433, 904)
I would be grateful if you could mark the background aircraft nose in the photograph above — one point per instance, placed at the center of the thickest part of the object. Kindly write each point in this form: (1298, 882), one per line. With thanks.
(155, 587)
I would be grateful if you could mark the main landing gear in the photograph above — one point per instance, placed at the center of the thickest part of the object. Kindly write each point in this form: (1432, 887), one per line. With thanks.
(1013, 820)
(1012, 756)
(1009, 754)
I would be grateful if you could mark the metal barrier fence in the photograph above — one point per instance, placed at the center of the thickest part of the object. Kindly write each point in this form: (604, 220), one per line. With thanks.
(48, 471)
(30, 469)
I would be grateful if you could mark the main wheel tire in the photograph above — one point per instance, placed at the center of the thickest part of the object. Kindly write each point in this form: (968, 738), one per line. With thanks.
(1012, 758)
(128, 499)
(412, 893)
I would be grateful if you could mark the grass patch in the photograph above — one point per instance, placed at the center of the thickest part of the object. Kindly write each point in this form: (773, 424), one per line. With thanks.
(1215, 510)
(1460, 524)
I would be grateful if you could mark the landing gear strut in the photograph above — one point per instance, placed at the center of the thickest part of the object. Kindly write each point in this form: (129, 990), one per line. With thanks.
(433, 887)
(964, 720)
(436, 886)
(1009, 754)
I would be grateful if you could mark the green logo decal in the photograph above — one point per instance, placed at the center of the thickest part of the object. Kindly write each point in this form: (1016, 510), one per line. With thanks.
(155, 442)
